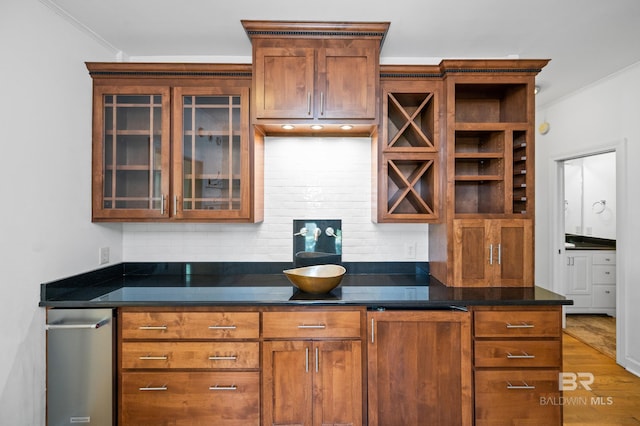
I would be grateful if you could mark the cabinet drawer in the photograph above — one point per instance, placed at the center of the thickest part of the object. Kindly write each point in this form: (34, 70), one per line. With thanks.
(604, 296)
(517, 353)
(210, 355)
(509, 397)
(190, 398)
(517, 323)
(604, 258)
(190, 325)
(603, 274)
(309, 325)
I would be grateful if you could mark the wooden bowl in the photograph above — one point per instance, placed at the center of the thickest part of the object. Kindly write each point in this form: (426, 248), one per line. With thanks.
(316, 279)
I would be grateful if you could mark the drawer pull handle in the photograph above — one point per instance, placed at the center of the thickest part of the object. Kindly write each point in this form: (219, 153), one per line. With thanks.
(523, 325)
(523, 356)
(154, 358)
(153, 327)
(524, 385)
(154, 388)
(222, 327)
(316, 326)
(223, 388)
(223, 358)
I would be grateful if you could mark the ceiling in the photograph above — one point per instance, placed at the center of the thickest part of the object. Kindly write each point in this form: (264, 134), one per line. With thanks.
(586, 40)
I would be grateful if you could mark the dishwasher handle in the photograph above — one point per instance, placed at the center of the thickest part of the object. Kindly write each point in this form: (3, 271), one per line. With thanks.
(76, 326)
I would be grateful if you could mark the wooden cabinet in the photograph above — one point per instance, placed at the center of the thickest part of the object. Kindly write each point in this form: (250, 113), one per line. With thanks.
(406, 152)
(208, 169)
(315, 73)
(182, 367)
(493, 252)
(419, 368)
(489, 143)
(312, 367)
(590, 277)
(517, 361)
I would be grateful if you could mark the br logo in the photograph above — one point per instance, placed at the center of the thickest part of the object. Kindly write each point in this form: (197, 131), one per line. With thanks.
(568, 381)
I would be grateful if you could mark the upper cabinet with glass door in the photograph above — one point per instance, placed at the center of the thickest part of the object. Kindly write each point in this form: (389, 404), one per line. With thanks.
(131, 152)
(208, 149)
(194, 161)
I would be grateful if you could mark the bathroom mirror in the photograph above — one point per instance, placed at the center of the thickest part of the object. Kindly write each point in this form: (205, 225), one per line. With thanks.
(590, 196)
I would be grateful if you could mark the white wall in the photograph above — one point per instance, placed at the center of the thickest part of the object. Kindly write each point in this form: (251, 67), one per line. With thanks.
(45, 175)
(596, 119)
(305, 178)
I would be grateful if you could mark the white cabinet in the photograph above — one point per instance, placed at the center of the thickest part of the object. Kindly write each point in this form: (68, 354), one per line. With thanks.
(590, 281)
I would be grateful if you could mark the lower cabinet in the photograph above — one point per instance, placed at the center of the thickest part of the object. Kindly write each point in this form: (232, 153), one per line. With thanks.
(419, 368)
(188, 367)
(517, 362)
(590, 281)
(312, 383)
(308, 365)
(312, 371)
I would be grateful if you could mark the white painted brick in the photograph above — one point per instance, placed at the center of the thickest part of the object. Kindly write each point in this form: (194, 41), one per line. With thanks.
(305, 178)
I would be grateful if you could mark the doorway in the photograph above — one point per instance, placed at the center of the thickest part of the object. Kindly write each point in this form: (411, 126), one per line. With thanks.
(587, 233)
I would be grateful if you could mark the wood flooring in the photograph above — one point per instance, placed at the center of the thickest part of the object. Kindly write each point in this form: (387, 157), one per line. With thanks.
(597, 331)
(614, 395)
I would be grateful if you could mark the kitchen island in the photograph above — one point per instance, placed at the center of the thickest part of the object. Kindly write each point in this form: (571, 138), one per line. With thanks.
(235, 343)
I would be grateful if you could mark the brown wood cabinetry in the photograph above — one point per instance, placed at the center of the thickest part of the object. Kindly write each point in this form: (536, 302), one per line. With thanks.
(312, 367)
(419, 368)
(493, 252)
(517, 361)
(489, 142)
(208, 169)
(315, 73)
(182, 367)
(406, 157)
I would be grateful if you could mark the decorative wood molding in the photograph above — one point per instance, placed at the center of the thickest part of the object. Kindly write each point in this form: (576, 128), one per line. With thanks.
(291, 29)
(167, 70)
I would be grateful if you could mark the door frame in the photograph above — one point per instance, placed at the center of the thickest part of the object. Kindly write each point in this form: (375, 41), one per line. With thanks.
(556, 237)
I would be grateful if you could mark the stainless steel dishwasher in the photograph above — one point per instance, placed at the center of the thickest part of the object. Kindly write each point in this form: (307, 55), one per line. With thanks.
(80, 367)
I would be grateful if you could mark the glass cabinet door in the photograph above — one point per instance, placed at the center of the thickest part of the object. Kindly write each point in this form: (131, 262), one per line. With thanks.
(133, 153)
(210, 147)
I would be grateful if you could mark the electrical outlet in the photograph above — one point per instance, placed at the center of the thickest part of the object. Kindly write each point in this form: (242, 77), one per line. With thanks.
(410, 250)
(104, 255)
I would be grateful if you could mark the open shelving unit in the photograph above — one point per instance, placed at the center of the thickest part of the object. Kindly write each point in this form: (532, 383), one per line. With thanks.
(491, 154)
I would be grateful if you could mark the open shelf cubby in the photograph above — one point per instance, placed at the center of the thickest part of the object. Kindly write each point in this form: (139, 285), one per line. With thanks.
(410, 186)
(490, 103)
(410, 121)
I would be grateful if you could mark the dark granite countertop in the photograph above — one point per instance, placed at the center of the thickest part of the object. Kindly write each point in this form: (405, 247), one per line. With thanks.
(389, 285)
(582, 242)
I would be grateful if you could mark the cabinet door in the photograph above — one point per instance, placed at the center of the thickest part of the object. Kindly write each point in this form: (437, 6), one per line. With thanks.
(578, 272)
(473, 253)
(346, 83)
(131, 137)
(513, 246)
(497, 252)
(210, 153)
(284, 82)
(287, 370)
(419, 368)
(337, 383)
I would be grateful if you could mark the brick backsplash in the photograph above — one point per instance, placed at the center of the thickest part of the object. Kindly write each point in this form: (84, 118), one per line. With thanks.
(305, 178)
